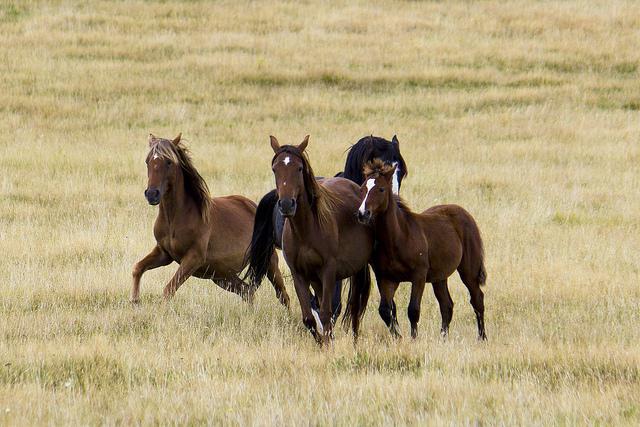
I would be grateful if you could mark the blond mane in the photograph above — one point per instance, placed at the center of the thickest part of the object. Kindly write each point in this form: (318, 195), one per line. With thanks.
(194, 184)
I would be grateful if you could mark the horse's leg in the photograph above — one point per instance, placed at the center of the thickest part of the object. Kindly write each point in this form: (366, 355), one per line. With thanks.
(336, 305)
(441, 291)
(477, 301)
(156, 258)
(328, 277)
(304, 296)
(237, 286)
(188, 265)
(417, 288)
(387, 290)
(275, 277)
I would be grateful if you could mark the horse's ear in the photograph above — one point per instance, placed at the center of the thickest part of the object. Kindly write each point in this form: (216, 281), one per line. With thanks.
(274, 143)
(152, 138)
(395, 141)
(303, 144)
(176, 140)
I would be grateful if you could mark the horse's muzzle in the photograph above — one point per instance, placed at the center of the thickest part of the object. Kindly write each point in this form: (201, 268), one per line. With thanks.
(287, 207)
(152, 195)
(364, 217)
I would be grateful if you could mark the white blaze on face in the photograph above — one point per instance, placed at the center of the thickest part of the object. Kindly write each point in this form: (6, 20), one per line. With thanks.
(370, 184)
(286, 160)
(395, 185)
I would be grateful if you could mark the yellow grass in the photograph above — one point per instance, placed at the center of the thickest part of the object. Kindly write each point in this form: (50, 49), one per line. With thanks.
(526, 113)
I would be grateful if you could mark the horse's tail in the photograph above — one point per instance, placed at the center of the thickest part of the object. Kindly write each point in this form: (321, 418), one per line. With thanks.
(473, 250)
(359, 290)
(263, 240)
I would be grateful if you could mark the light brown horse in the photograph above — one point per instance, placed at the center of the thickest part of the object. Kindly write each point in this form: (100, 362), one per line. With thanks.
(419, 248)
(322, 240)
(207, 236)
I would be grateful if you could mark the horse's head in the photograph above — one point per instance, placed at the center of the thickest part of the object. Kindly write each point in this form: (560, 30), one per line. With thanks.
(377, 190)
(390, 153)
(368, 149)
(288, 167)
(162, 167)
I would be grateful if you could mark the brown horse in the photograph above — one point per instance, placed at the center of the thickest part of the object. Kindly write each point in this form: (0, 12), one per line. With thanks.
(419, 248)
(322, 239)
(207, 236)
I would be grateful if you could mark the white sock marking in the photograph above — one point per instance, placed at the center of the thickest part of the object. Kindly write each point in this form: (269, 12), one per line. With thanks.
(316, 316)
(395, 185)
(370, 184)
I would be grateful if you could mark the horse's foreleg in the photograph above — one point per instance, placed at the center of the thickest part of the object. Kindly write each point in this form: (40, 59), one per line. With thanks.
(156, 258)
(275, 277)
(417, 288)
(386, 309)
(304, 297)
(188, 265)
(441, 291)
(328, 277)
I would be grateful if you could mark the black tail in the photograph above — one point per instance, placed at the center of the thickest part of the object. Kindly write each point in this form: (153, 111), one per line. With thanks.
(262, 241)
(358, 297)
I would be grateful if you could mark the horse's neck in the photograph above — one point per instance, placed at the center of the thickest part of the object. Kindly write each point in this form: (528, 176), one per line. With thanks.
(303, 221)
(391, 226)
(175, 201)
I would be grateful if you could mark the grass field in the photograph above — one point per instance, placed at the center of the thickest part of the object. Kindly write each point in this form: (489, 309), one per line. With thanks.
(526, 113)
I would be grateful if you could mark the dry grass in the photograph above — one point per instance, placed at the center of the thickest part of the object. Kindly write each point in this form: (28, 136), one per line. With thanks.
(526, 113)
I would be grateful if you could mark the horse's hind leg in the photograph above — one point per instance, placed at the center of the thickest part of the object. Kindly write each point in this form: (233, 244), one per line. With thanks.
(387, 306)
(441, 291)
(275, 277)
(237, 286)
(477, 301)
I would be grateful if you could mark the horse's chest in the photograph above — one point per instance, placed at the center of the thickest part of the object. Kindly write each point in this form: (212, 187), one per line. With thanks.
(303, 259)
(171, 245)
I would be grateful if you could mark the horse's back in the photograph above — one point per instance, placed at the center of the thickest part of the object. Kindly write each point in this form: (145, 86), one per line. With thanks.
(347, 191)
(231, 223)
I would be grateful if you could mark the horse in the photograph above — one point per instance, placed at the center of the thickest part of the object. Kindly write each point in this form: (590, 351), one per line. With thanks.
(420, 248)
(207, 236)
(322, 240)
(269, 225)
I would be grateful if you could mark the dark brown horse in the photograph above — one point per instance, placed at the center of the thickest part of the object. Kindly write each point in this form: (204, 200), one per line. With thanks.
(419, 248)
(207, 236)
(322, 240)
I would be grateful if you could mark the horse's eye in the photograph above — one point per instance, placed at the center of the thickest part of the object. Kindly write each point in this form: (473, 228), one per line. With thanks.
(382, 190)
(299, 168)
(168, 162)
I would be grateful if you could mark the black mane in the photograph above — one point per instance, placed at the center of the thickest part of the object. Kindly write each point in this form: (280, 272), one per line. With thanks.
(367, 149)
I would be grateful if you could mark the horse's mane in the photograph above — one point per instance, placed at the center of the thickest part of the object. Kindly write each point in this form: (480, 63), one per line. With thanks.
(360, 153)
(194, 184)
(323, 201)
(376, 168)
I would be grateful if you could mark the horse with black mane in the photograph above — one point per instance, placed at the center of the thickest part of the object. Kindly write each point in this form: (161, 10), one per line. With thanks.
(269, 224)
(207, 236)
(420, 247)
(322, 240)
